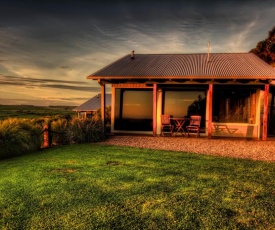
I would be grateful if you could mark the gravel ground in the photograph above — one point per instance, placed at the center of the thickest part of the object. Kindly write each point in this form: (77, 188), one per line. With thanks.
(248, 149)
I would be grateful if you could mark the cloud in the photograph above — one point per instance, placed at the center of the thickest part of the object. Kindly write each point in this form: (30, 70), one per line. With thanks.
(42, 102)
(43, 44)
(65, 67)
(47, 83)
(71, 87)
(11, 79)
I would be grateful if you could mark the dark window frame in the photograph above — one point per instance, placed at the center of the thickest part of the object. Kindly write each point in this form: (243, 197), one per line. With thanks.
(234, 105)
(132, 123)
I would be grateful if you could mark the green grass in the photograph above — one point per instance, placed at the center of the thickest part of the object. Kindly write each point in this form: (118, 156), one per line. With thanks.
(90, 186)
(30, 111)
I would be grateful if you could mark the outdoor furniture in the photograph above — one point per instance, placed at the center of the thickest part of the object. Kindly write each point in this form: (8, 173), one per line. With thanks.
(221, 129)
(166, 125)
(194, 126)
(179, 123)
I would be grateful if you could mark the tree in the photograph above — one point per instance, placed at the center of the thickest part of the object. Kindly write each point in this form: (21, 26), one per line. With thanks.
(266, 49)
(197, 106)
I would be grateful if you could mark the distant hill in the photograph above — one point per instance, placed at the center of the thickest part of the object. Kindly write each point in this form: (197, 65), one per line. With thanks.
(32, 111)
(62, 106)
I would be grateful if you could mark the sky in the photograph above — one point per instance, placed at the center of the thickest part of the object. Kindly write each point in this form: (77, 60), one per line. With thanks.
(48, 48)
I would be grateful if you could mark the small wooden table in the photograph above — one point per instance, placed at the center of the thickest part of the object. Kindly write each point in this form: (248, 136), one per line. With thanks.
(179, 122)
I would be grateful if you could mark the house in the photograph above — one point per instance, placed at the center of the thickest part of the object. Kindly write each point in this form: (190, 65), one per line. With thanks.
(89, 107)
(232, 92)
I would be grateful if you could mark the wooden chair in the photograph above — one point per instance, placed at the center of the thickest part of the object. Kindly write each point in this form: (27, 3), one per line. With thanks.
(166, 125)
(194, 126)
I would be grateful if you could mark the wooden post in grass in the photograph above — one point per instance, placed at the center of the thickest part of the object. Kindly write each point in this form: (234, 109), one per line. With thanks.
(46, 139)
(47, 136)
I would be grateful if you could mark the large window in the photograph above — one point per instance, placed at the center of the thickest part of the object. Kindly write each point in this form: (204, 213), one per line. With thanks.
(134, 109)
(184, 103)
(237, 105)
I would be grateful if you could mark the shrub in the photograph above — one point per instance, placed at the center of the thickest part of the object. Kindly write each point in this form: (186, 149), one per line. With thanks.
(19, 136)
(84, 131)
(97, 117)
(59, 128)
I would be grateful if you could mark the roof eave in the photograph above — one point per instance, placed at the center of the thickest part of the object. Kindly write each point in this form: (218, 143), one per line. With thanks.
(179, 77)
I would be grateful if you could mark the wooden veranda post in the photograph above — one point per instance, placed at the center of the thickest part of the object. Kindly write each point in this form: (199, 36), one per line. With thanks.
(210, 99)
(154, 109)
(265, 115)
(271, 111)
(103, 108)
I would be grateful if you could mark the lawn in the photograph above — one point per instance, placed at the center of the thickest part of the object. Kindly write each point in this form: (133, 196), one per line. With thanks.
(92, 186)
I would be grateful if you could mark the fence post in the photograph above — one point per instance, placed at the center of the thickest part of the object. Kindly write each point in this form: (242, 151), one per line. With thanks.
(46, 141)
(47, 137)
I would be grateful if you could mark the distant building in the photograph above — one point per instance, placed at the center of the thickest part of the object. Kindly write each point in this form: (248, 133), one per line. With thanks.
(89, 107)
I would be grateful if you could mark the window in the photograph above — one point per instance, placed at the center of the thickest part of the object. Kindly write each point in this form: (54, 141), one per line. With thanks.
(237, 105)
(184, 103)
(134, 109)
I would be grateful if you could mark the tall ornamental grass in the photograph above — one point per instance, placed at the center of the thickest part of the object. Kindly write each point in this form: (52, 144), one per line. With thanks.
(59, 128)
(84, 131)
(71, 130)
(22, 136)
(75, 130)
(19, 136)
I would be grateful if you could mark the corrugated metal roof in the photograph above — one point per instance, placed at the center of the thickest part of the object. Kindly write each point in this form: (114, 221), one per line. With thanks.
(221, 65)
(94, 103)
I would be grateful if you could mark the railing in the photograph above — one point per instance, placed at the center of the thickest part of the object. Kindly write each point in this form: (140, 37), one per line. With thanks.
(48, 136)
